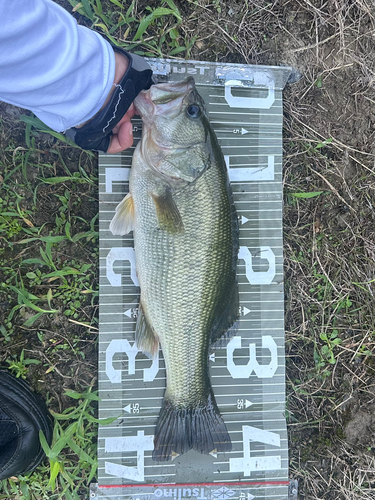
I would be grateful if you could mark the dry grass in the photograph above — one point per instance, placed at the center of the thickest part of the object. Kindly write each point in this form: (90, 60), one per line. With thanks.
(329, 137)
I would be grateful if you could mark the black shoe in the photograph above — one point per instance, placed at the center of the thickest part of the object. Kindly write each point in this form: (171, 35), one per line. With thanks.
(22, 415)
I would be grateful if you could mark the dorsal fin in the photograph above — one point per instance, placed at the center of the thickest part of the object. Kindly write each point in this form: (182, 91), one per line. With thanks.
(225, 324)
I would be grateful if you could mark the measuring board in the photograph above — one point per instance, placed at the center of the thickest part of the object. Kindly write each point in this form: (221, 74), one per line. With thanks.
(247, 373)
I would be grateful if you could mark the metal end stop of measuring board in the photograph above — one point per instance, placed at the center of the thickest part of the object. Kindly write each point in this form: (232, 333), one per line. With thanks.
(295, 76)
(293, 489)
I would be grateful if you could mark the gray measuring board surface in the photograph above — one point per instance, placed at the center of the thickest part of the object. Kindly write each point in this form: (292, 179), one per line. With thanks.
(247, 374)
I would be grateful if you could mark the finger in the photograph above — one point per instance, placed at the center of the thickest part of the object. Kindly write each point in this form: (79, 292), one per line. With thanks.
(131, 111)
(123, 139)
(126, 118)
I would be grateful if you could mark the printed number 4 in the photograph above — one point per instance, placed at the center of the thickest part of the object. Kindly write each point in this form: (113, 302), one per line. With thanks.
(139, 443)
(247, 464)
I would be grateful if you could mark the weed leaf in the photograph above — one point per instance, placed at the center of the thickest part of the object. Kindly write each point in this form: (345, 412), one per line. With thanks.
(62, 441)
(25, 490)
(43, 443)
(146, 21)
(313, 194)
(54, 472)
(102, 421)
(78, 451)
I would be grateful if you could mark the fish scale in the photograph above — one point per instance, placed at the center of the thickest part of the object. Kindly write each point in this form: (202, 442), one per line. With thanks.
(184, 276)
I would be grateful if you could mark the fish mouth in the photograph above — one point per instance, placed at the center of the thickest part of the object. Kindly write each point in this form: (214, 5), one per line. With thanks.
(166, 92)
(169, 96)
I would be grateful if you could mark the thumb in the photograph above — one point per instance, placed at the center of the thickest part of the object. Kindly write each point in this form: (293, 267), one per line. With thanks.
(122, 139)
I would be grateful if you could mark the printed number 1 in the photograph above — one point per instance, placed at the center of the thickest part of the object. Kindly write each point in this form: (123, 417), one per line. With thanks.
(247, 464)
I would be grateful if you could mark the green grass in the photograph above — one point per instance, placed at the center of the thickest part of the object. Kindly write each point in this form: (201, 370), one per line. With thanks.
(49, 260)
(72, 461)
(155, 33)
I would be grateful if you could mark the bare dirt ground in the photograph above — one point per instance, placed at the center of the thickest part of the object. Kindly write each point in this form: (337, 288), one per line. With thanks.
(329, 132)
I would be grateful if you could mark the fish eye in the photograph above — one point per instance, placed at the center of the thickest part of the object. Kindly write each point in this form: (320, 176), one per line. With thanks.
(193, 111)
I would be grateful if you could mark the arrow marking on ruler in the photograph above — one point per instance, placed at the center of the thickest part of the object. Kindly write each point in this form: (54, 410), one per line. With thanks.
(132, 313)
(248, 403)
(237, 131)
(212, 357)
(245, 311)
(244, 219)
(128, 408)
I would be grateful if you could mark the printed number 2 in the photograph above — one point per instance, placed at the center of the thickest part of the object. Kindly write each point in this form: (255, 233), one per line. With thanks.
(247, 464)
(139, 443)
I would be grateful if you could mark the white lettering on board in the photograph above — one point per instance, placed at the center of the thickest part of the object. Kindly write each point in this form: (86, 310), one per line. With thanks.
(139, 443)
(122, 345)
(258, 277)
(251, 174)
(120, 253)
(244, 371)
(178, 493)
(191, 70)
(248, 464)
(115, 175)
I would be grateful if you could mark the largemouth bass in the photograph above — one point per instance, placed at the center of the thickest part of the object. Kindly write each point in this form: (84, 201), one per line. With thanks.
(185, 225)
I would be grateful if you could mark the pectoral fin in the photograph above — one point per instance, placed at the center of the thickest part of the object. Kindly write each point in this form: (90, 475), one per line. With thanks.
(123, 221)
(145, 337)
(167, 213)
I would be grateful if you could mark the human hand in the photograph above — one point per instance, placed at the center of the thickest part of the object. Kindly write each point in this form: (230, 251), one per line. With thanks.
(122, 137)
(110, 130)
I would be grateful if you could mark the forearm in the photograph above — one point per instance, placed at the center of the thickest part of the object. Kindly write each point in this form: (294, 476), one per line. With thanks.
(121, 65)
(48, 64)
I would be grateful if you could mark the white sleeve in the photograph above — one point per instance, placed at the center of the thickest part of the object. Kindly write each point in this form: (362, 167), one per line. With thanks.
(48, 64)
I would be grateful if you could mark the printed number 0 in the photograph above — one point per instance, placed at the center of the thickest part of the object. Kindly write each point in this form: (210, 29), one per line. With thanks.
(247, 464)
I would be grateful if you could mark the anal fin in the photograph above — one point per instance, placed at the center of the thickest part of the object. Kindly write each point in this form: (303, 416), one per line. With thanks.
(123, 221)
(145, 337)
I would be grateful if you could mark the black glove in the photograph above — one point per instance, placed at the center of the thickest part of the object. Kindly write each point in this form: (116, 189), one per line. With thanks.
(96, 134)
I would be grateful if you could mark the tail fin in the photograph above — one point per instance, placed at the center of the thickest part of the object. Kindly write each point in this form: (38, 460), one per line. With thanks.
(181, 429)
